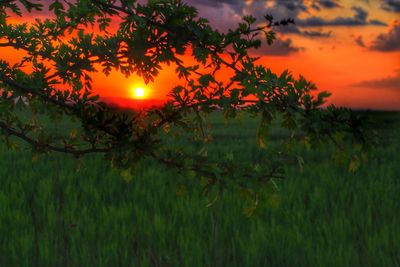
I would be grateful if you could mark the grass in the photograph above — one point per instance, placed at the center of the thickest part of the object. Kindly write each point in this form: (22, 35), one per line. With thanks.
(53, 215)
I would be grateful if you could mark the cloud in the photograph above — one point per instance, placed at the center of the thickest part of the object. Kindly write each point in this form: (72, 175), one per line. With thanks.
(279, 10)
(329, 4)
(223, 14)
(391, 82)
(291, 5)
(282, 9)
(360, 13)
(304, 5)
(317, 34)
(359, 19)
(280, 47)
(236, 5)
(217, 2)
(377, 22)
(391, 5)
(215, 11)
(389, 41)
(359, 41)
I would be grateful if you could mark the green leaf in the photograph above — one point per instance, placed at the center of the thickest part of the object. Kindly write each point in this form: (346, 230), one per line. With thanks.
(300, 162)
(205, 80)
(73, 134)
(321, 99)
(249, 19)
(306, 142)
(57, 7)
(274, 200)
(35, 157)
(181, 190)
(354, 164)
(270, 36)
(127, 175)
(230, 113)
(263, 129)
(289, 122)
(14, 146)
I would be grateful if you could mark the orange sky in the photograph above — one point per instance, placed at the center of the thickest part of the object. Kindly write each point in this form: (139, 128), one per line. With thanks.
(350, 71)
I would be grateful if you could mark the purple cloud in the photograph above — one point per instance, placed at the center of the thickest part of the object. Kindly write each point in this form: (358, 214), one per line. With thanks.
(389, 41)
(391, 82)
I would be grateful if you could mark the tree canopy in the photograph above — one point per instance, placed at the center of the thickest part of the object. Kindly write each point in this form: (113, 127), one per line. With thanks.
(81, 37)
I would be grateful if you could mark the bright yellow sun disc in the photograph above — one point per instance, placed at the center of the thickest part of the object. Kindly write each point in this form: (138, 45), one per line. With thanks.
(139, 92)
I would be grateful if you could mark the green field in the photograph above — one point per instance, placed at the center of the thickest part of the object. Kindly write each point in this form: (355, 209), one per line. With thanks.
(52, 214)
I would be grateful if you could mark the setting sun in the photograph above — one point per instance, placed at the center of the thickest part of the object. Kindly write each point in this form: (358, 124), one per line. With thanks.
(139, 92)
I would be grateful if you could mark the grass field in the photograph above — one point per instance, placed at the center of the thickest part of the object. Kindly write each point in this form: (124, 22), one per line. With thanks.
(53, 215)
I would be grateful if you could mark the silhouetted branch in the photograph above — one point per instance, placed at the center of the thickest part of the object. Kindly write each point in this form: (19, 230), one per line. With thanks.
(37, 144)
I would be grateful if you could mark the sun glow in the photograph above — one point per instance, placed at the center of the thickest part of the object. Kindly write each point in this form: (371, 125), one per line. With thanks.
(139, 93)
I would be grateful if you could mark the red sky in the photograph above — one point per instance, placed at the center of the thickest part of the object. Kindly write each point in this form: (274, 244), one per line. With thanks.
(348, 47)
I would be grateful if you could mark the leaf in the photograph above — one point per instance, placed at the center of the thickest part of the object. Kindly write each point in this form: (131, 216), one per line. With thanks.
(127, 174)
(73, 134)
(321, 98)
(354, 164)
(230, 113)
(181, 190)
(212, 202)
(306, 142)
(166, 128)
(200, 54)
(205, 80)
(57, 7)
(274, 200)
(289, 122)
(249, 19)
(229, 156)
(79, 164)
(14, 146)
(300, 161)
(263, 129)
(204, 181)
(35, 157)
(250, 210)
(203, 152)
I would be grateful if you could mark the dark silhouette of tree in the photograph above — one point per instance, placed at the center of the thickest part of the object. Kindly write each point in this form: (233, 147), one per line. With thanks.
(81, 37)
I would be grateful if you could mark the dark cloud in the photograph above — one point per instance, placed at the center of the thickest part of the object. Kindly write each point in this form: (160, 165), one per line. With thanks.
(282, 9)
(377, 22)
(223, 14)
(329, 4)
(288, 4)
(236, 5)
(291, 28)
(317, 34)
(280, 47)
(292, 5)
(391, 5)
(304, 5)
(360, 13)
(391, 82)
(359, 41)
(359, 19)
(389, 41)
(216, 2)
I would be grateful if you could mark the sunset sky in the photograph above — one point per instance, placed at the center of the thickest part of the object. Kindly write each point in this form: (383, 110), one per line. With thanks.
(348, 47)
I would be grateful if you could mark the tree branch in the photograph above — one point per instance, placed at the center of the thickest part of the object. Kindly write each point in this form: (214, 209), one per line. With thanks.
(37, 144)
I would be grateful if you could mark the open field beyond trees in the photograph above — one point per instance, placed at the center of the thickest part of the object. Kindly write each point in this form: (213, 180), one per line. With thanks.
(56, 212)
